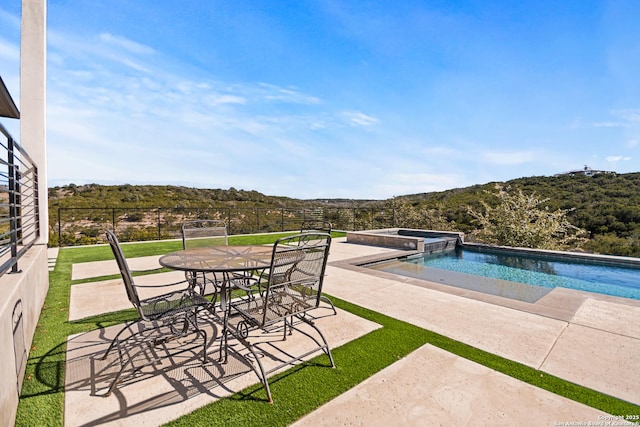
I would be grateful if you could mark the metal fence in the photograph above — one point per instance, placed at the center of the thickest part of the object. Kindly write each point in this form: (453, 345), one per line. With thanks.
(82, 226)
(19, 215)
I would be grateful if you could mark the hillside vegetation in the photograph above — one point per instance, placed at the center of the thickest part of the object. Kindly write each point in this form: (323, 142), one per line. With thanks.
(169, 196)
(607, 206)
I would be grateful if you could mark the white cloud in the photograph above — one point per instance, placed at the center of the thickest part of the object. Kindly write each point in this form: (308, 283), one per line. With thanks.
(617, 158)
(357, 118)
(287, 95)
(90, 53)
(217, 99)
(124, 43)
(632, 143)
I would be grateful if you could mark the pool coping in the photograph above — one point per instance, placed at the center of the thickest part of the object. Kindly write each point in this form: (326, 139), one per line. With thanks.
(585, 257)
(559, 303)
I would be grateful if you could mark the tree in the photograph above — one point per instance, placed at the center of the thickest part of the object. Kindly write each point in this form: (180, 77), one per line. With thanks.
(519, 220)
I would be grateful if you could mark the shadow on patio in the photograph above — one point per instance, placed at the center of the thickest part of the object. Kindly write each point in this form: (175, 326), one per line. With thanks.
(176, 385)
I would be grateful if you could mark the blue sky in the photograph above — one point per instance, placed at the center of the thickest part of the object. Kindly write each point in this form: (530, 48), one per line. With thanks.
(329, 99)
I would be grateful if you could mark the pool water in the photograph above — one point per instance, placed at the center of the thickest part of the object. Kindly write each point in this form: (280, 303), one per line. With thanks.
(532, 271)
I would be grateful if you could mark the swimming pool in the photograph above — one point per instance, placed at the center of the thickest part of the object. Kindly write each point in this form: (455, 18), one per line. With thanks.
(517, 276)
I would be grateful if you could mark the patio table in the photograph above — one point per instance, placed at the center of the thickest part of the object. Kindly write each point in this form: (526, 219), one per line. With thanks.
(230, 263)
(219, 259)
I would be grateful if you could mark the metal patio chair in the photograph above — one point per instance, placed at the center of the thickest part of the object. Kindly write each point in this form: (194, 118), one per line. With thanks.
(324, 227)
(161, 319)
(316, 225)
(206, 233)
(203, 233)
(294, 287)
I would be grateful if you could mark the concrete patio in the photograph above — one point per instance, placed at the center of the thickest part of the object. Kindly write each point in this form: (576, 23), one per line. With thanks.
(584, 338)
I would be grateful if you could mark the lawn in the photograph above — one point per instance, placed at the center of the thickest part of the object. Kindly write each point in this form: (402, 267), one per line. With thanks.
(42, 399)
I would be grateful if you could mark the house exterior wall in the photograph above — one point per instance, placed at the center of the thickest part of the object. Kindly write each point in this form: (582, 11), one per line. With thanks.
(22, 294)
(21, 298)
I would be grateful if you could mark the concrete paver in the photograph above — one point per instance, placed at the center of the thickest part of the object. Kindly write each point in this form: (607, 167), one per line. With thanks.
(86, 270)
(94, 298)
(618, 319)
(52, 256)
(603, 361)
(431, 387)
(515, 335)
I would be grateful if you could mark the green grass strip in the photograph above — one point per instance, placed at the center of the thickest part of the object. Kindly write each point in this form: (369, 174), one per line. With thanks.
(296, 392)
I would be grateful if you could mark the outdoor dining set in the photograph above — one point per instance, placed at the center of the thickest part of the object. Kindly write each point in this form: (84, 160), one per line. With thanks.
(245, 289)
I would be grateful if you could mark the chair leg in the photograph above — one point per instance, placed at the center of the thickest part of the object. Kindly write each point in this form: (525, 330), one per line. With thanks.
(328, 301)
(324, 346)
(321, 344)
(194, 321)
(223, 352)
(204, 346)
(260, 372)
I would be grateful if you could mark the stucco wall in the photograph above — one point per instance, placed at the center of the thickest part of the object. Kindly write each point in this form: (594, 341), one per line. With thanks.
(21, 298)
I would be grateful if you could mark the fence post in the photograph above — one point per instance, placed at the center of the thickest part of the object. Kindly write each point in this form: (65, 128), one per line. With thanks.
(354, 219)
(281, 219)
(257, 220)
(37, 200)
(13, 232)
(113, 219)
(158, 223)
(59, 227)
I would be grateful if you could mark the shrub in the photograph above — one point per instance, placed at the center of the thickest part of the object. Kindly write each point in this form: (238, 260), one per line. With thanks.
(519, 220)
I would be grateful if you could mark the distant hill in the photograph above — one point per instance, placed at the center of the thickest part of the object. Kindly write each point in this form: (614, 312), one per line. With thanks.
(606, 205)
(151, 196)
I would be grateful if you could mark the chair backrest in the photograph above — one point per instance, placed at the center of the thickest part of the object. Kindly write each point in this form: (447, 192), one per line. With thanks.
(125, 272)
(206, 232)
(296, 273)
(316, 225)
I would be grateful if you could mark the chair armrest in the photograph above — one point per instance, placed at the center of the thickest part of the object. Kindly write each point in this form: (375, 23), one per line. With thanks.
(164, 285)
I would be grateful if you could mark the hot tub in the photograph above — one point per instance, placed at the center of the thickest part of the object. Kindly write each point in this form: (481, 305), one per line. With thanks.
(408, 239)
